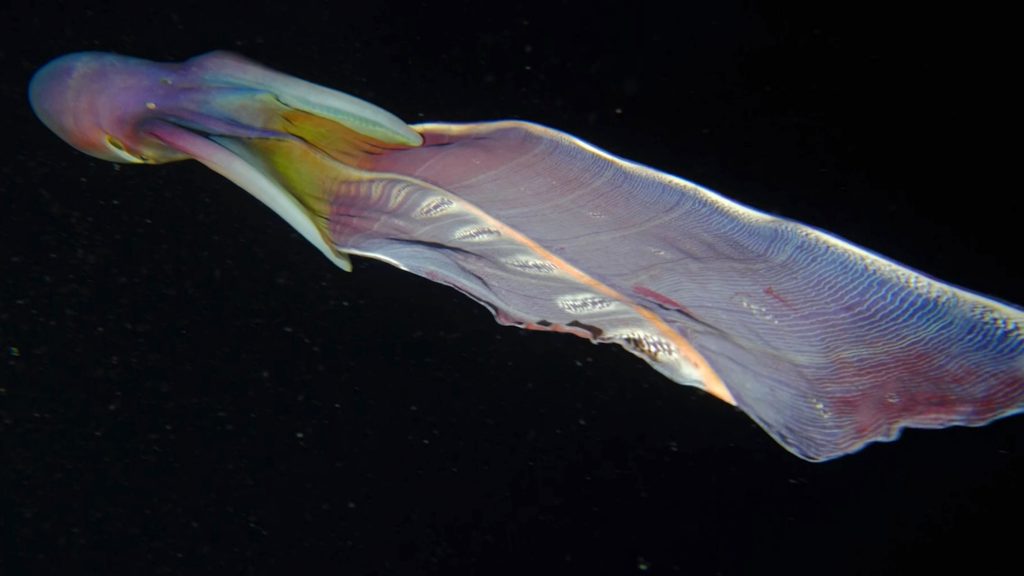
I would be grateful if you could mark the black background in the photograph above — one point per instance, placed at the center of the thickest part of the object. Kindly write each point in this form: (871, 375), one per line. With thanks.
(187, 387)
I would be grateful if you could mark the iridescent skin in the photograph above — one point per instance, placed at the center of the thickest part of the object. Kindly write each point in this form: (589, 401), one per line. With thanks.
(126, 109)
(826, 345)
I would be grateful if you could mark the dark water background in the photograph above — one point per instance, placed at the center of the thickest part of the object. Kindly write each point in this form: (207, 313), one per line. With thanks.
(186, 387)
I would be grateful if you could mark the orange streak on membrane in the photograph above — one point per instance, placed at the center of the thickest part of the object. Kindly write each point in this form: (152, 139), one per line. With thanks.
(352, 148)
(712, 382)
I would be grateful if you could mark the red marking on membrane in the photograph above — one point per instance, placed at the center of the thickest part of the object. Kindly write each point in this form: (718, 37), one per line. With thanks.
(771, 292)
(561, 328)
(918, 390)
(660, 298)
